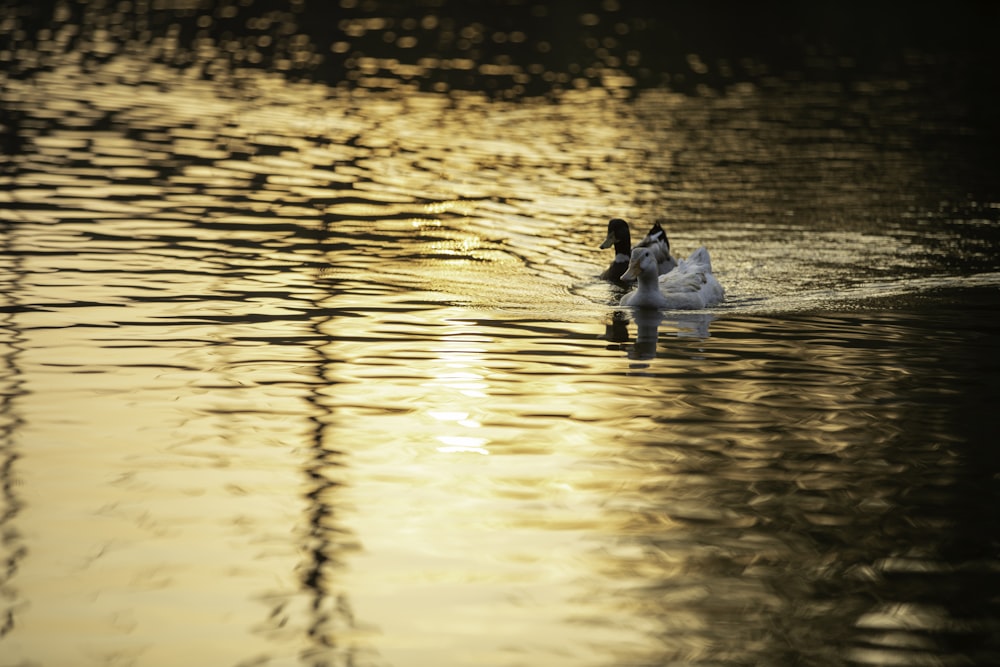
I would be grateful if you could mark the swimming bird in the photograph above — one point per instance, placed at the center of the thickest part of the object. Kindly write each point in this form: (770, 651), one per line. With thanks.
(620, 238)
(691, 285)
(657, 241)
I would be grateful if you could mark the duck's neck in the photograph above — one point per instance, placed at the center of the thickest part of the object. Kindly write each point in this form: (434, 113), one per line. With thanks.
(623, 248)
(649, 281)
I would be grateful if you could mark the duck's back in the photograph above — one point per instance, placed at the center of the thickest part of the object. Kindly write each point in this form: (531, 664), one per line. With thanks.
(692, 284)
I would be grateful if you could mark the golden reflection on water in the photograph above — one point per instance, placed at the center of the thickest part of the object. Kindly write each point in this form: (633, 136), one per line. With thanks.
(477, 519)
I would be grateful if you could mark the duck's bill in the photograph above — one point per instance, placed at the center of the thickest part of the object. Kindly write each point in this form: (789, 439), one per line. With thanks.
(632, 272)
(608, 242)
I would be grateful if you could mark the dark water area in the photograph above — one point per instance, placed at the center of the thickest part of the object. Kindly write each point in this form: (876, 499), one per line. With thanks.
(540, 44)
(305, 358)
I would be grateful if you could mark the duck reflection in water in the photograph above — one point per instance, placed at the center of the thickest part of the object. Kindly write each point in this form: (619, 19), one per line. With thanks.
(648, 321)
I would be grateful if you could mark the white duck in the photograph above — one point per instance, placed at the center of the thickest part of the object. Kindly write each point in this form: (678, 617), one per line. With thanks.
(689, 286)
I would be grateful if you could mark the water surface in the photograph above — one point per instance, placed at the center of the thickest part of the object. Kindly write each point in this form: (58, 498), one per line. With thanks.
(299, 373)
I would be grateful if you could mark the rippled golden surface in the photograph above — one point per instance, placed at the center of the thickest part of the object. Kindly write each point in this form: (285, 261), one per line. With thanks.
(301, 376)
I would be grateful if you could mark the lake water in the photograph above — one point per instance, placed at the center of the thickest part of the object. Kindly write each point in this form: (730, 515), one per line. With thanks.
(301, 373)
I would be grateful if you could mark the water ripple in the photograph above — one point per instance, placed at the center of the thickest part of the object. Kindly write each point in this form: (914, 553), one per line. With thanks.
(350, 350)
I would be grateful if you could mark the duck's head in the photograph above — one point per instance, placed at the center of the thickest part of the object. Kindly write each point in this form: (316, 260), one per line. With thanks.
(642, 262)
(655, 235)
(618, 236)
